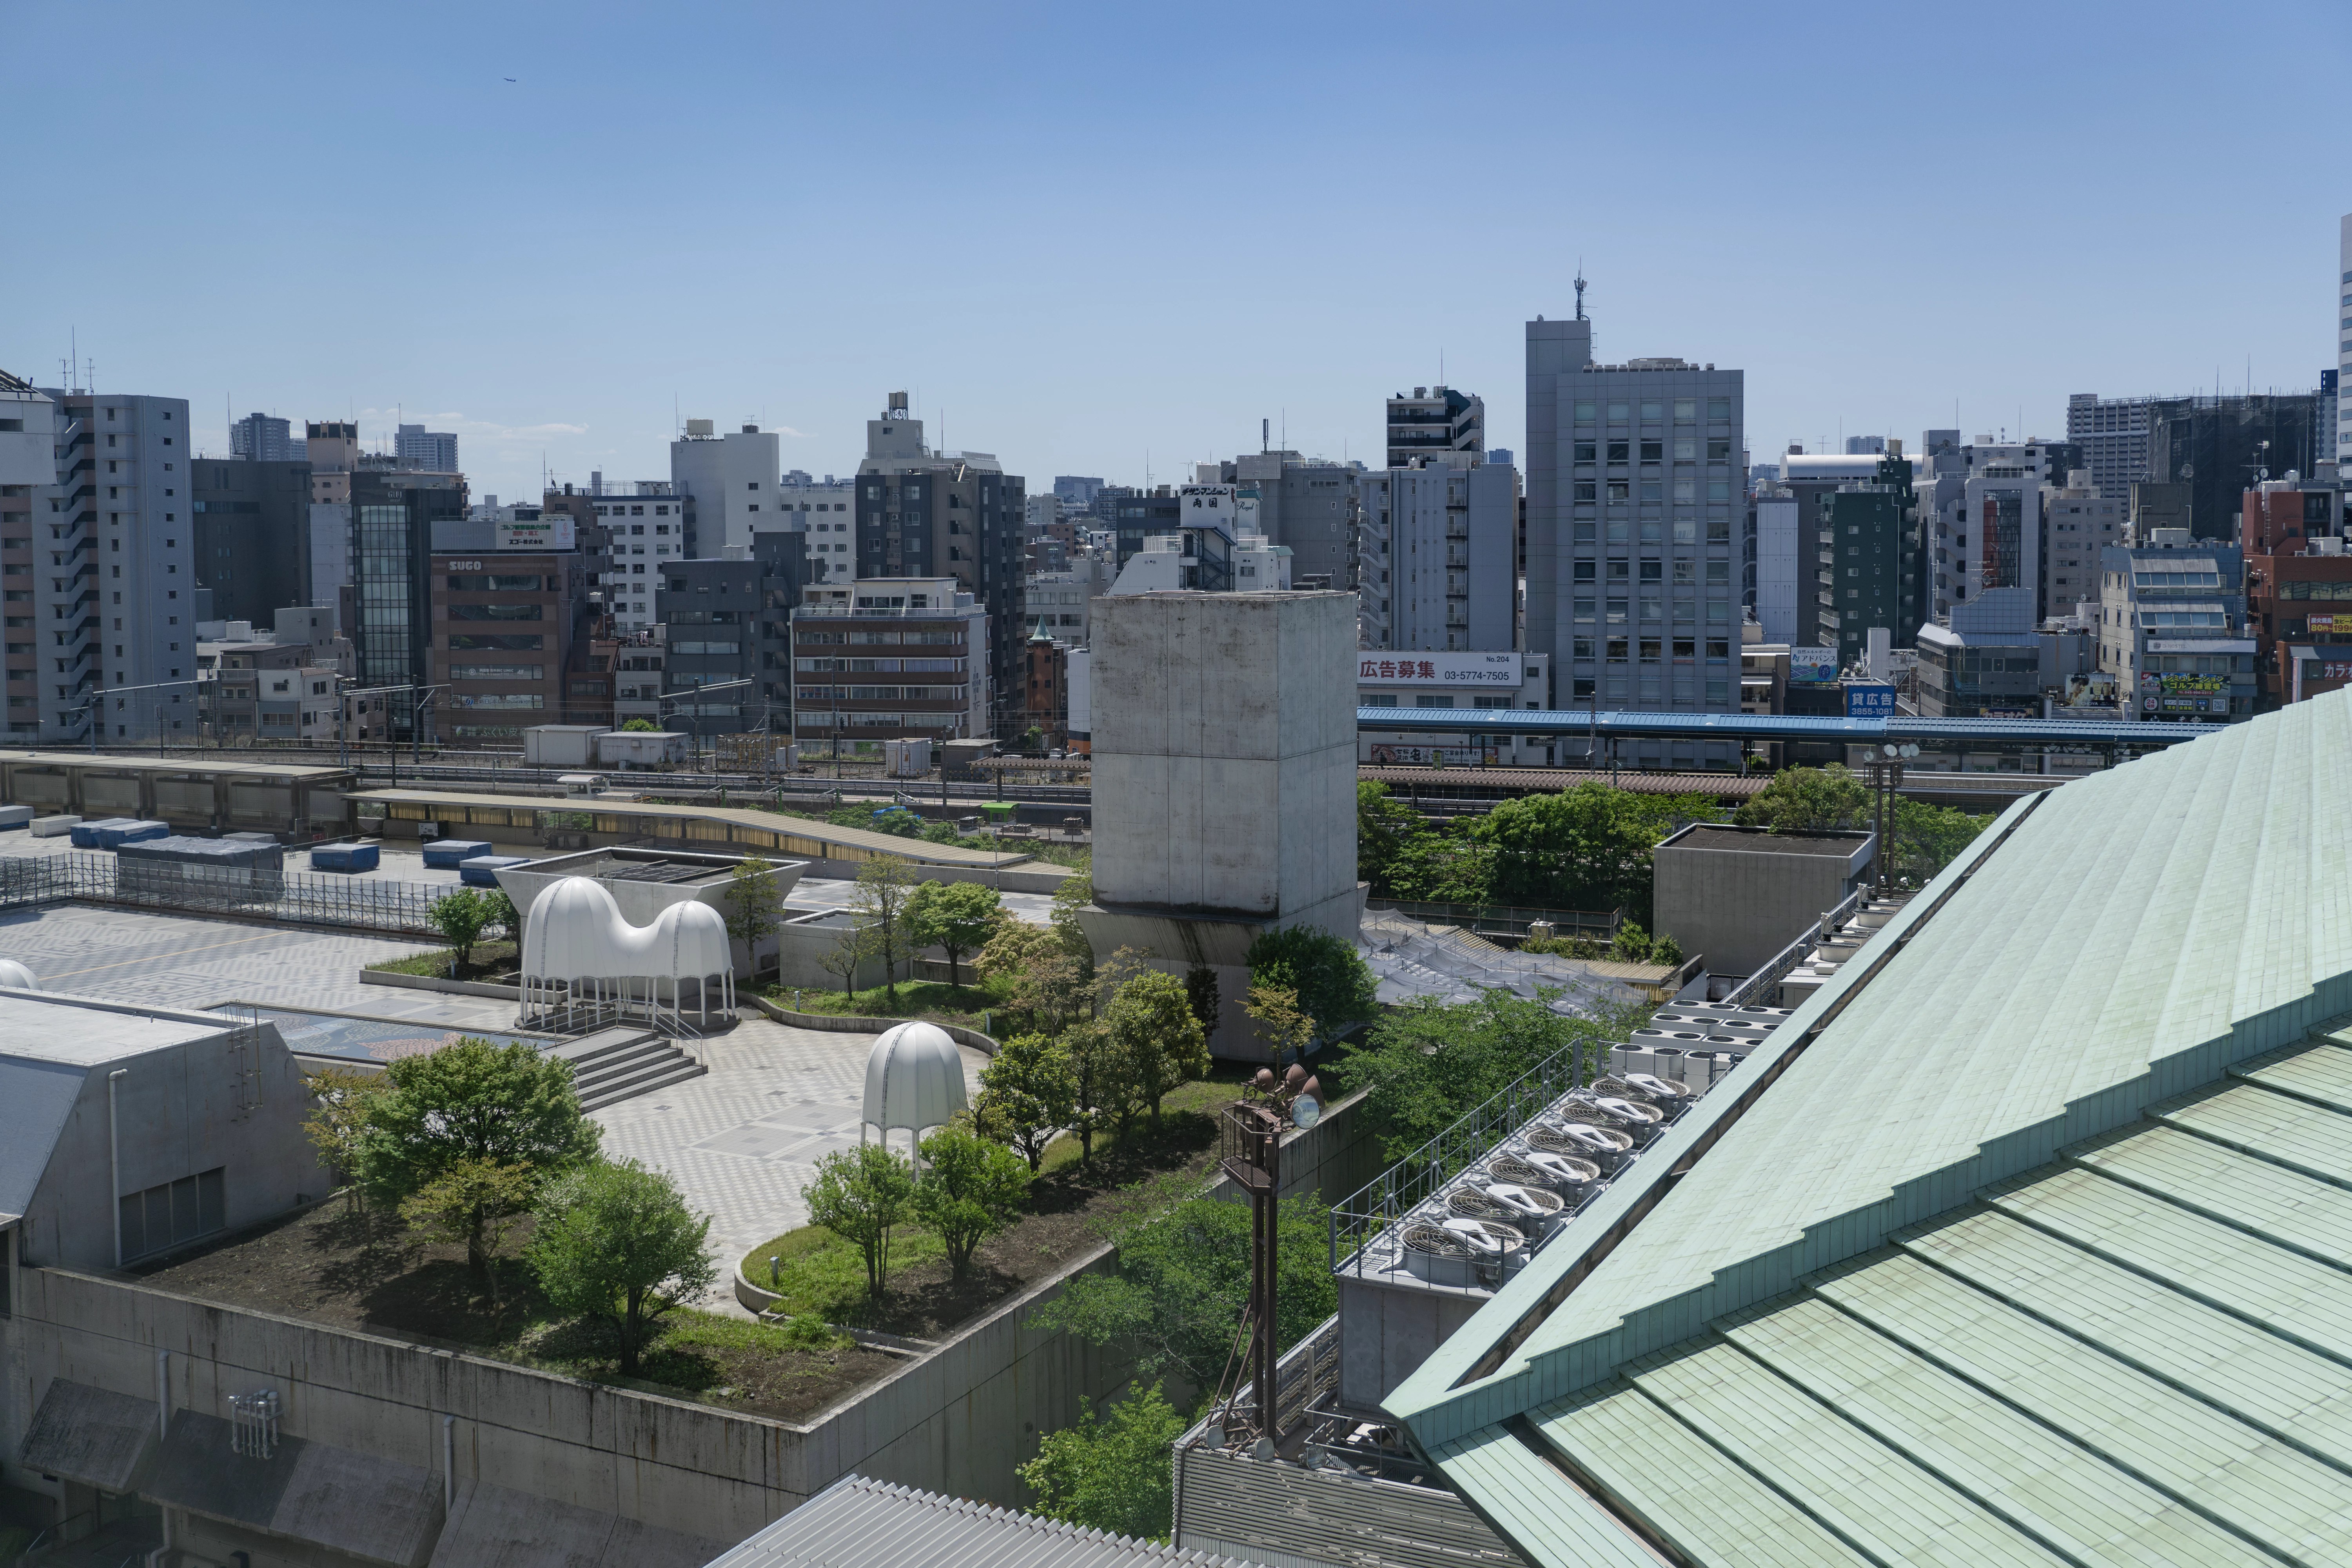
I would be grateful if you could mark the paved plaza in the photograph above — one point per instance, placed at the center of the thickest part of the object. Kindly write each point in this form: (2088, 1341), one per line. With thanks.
(745, 1138)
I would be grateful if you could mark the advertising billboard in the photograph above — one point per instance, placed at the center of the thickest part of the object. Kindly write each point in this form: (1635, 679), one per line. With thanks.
(1429, 669)
(1869, 700)
(1814, 664)
(548, 530)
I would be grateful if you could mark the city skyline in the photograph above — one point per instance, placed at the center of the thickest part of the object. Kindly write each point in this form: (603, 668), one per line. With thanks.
(1081, 287)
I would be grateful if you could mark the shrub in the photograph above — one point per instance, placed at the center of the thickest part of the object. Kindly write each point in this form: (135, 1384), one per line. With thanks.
(1026, 1095)
(459, 918)
(1327, 976)
(1112, 1474)
(862, 1195)
(616, 1242)
(1158, 1042)
(970, 1190)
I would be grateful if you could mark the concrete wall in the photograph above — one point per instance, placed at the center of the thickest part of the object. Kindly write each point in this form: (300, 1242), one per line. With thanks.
(1224, 751)
(178, 1111)
(1739, 907)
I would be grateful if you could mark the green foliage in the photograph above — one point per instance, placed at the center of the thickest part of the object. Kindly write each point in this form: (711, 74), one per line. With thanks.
(1406, 856)
(344, 1096)
(957, 916)
(884, 885)
(1183, 1282)
(1046, 981)
(640, 726)
(1809, 800)
(1027, 1094)
(754, 908)
(1427, 1063)
(1589, 948)
(970, 1189)
(470, 1102)
(1632, 944)
(1280, 1023)
(476, 1202)
(1100, 1094)
(1068, 899)
(1584, 849)
(616, 1243)
(1329, 979)
(1928, 837)
(1201, 995)
(862, 1195)
(1115, 1475)
(850, 950)
(460, 917)
(1159, 1042)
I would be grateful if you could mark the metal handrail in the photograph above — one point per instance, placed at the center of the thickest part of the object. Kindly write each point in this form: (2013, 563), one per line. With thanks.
(1778, 967)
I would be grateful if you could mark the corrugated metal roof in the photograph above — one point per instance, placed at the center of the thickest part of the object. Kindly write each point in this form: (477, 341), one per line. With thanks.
(861, 1523)
(2033, 1254)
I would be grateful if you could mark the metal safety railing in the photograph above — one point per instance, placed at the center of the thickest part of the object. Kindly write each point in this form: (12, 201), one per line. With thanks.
(1779, 966)
(1505, 920)
(302, 896)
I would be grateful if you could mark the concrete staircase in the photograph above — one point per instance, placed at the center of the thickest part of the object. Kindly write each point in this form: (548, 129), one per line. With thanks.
(617, 1064)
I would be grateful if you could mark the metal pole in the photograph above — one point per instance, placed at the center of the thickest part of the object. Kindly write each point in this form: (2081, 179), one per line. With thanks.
(114, 1161)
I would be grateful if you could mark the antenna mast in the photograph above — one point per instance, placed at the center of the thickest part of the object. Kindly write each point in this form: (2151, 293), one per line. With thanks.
(1580, 289)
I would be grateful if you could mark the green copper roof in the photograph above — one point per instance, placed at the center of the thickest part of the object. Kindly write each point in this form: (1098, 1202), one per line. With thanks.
(2031, 1252)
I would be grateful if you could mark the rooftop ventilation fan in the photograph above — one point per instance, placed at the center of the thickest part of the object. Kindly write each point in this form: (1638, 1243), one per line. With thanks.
(1583, 1138)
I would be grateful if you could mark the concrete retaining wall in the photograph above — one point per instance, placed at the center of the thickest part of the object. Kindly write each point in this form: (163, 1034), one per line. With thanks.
(1035, 877)
(435, 983)
(855, 1024)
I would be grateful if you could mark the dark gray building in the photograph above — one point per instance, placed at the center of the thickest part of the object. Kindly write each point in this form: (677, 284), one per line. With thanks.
(393, 514)
(730, 620)
(252, 541)
(1314, 506)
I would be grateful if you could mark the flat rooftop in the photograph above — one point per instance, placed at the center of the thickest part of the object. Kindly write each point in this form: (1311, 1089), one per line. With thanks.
(181, 763)
(85, 1031)
(1841, 846)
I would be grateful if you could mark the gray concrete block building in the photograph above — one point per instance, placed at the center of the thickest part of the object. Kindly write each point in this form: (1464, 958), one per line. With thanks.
(1632, 475)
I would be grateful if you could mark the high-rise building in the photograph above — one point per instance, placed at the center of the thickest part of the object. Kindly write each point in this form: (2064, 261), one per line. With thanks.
(259, 438)
(29, 464)
(2342, 445)
(424, 451)
(2172, 628)
(2215, 444)
(1438, 558)
(332, 449)
(1436, 424)
(1871, 569)
(931, 514)
(1632, 475)
(729, 483)
(251, 521)
(1865, 445)
(644, 529)
(393, 515)
(934, 638)
(1076, 492)
(113, 581)
(727, 621)
(1311, 505)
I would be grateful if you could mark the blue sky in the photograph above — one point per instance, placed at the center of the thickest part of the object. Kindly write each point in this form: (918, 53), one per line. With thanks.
(1091, 238)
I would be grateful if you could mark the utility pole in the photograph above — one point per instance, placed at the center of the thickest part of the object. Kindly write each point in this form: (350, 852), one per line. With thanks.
(1251, 1130)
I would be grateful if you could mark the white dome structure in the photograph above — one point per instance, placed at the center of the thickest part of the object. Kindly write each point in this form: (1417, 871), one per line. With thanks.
(16, 976)
(579, 951)
(913, 1079)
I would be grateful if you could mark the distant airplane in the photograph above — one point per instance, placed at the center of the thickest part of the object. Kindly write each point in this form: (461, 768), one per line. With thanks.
(511, 78)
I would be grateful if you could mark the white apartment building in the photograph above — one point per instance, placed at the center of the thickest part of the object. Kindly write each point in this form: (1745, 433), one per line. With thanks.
(1058, 602)
(2343, 339)
(426, 451)
(728, 484)
(827, 511)
(28, 466)
(113, 573)
(645, 525)
(1439, 568)
(1778, 579)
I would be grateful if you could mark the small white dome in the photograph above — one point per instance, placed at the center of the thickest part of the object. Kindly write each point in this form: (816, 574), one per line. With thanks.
(914, 1078)
(16, 976)
(564, 936)
(693, 940)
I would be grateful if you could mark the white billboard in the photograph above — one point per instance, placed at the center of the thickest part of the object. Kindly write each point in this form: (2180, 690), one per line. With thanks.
(548, 530)
(1417, 668)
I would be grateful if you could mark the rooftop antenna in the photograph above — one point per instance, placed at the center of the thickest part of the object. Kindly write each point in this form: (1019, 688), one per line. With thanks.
(1265, 436)
(1579, 287)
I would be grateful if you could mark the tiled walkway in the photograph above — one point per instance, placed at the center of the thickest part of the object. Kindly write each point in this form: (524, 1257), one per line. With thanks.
(742, 1139)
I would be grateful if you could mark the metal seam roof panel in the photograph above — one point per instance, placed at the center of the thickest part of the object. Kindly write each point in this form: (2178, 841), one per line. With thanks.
(1545, 1518)
(2055, 1491)
(2233, 1471)
(2213, 1180)
(1696, 1498)
(2290, 1391)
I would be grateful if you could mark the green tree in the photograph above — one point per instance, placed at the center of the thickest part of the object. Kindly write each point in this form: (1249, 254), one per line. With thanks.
(862, 1195)
(754, 908)
(616, 1242)
(1046, 983)
(343, 1097)
(1427, 1063)
(1201, 995)
(970, 1189)
(1330, 980)
(1385, 829)
(1809, 800)
(849, 950)
(471, 1102)
(957, 916)
(1075, 894)
(1097, 1090)
(504, 918)
(459, 918)
(1113, 1475)
(1930, 837)
(640, 726)
(1183, 1280)
(473, 1197)
(1027, 1094)
(1158, 1039)
(1280, 1023)
(885, 884)
(1584, 849)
